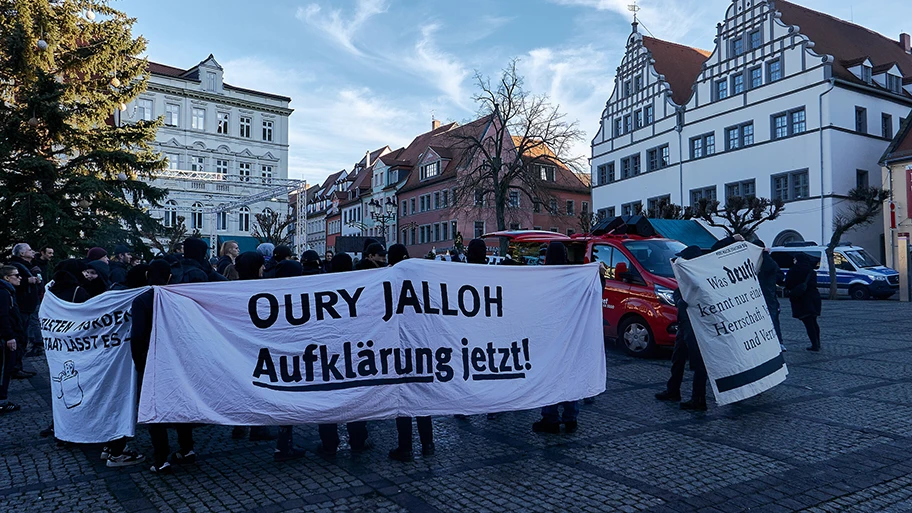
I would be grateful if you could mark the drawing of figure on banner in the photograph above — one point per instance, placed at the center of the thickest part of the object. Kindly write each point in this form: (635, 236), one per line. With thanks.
(68, 387)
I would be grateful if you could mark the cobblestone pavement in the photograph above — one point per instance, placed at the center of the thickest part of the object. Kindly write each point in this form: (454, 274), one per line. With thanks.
(836, 436)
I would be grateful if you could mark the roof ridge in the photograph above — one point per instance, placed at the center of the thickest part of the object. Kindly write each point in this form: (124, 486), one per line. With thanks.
(840, 20)
(707, 53)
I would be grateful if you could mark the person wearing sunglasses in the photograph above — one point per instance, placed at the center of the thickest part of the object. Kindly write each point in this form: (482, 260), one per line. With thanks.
(12, 332)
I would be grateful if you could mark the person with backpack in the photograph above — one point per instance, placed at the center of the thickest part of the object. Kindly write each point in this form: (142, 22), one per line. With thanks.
(194, 266)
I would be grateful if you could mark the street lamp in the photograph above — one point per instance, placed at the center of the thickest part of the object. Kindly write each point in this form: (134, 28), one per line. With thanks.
(383, 212)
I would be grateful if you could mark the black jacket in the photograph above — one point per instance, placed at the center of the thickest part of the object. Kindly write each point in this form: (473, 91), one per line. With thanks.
(26, 293)
(11, 327)
(223, 262)
(118, 272)
(141, 330)
(192, 271)
(804, 296)
(66, 287)
(768, 276)
(366, 263)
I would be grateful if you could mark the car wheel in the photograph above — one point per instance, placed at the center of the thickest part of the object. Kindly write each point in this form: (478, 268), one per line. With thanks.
(636, 337)
(859, 292)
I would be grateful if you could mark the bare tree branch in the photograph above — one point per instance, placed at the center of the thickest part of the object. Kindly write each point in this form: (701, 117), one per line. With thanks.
(863, 209)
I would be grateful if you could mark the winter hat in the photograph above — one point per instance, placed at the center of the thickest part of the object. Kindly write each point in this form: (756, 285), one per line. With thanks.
(288, 268)
(248, 265)
(96, 253)
(195, 249)
(103, 270)
(557, 254)
(266, 249)
(341, 263)
(121, 248)
(310, 256)
(477, 252)
(396, 254)
(367, 242)
(159, 272)
(374, 249)
(281, 252)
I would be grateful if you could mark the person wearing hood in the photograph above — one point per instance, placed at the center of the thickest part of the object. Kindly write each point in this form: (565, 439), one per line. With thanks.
(357, 431)
(279, 255)
(551, 416)
(230, 251)
(801, 285)
(403, 450)
(310, 261)
(98, 276)
(120, 264)
(12, 332)
(194, 266)
(69, 281)
(136, 276)
(374, 257)
(685, 348)
(477, 252)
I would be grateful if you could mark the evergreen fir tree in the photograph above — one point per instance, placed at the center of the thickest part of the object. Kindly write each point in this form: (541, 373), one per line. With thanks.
(69, 170)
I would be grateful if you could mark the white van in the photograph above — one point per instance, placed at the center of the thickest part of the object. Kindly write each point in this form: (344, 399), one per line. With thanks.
(858, 274)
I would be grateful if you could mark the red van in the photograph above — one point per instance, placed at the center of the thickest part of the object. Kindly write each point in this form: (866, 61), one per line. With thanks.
(637, 307)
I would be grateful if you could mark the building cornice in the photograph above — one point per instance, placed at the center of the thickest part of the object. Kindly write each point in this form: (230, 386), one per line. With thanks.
(216, 98)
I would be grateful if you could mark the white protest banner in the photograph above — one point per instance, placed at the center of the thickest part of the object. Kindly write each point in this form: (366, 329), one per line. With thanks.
(731, 322)
(93, 380)
(420, 338)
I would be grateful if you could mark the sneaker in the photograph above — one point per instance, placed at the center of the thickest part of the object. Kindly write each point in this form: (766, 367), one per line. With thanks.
(46, 432)
(105, 453)
(694, 405)
(403, 455)
(428, 450)
(782, 348)
(368, 445)
(570, 426)
(126, 459)
(665, 395)
(9, 407)
(544, 426)
(325, 452)
(186, 458)
(294, 454)
(164, 468)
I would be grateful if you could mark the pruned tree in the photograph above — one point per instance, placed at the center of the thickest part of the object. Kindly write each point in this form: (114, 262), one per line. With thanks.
(863, 208)
(739, 215)
(665, 209)
(164, 239)
(525, 132)
(587, 220)
(270, 226)
(71, 175)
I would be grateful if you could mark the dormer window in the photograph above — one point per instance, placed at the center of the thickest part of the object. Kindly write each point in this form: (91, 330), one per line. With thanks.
(210, 81)
(546, 173)
(866, 74)
(894, 84)
(430, 170)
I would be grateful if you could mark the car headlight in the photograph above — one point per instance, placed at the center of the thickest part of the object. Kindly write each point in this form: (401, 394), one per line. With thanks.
(880, 278)
(665, 295)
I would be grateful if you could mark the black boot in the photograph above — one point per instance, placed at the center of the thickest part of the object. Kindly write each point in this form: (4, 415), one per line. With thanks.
(544, 426)
(695, 404)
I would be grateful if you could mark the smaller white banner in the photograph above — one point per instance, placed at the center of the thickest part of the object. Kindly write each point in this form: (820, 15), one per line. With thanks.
(93, 380)
(731, 322)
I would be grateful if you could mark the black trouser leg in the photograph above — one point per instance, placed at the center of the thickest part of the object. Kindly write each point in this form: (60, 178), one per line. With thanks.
(285, 441)
(7, 366)
(425, 430)
(158, 434)
(678, 362)
(116, 447)
(404, 431)
(357, 434)
(813, 330)
(185, 437)
(329, 436)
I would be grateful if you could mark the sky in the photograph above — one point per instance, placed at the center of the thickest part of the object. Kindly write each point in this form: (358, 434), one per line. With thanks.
(363, 74)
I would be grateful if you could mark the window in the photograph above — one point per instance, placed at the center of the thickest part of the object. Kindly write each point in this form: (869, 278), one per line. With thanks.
(738, 84)
(584, 207)
(739, 136)
(172, 114)
(412, 205)
(221, 221)
(430, 170)
(625, 168)
(422, 204)
(445, 202)
(638, 83)
(744, 189)
(552, 207)
(221, 167)
(197, 164)
(633, 208)
(436, 200)
(436, 232)
(444, 228)
(479, 198)
(601, 174)
(654, 206)
(547, 173)
(199, 119)
(628, 124)
(648, 114)
(618, 127)
(144, 109)
(747, 134)
(722, 89)
(774, 70)
(702, 146)
(886, 126)
(657, 158)
(707, 193)
(638, 120)
(170, 219)
(756, 77)
(894, 84)
(244, 219)
(267, 130)
(603, 213)
(245, 127)
(866, 74)
(210, 81)
(570, 209)
(479, 229)
(756, 39)
(635, 164)
(222, 127)
(786, 124)
(737, 46)
(514, 199)
(266, 173)
(244, 171)
(861, 120)
(861, 178)
(610, 172)
(173, 160)
(626, 88)
(611, 212)
(790, 186)
(536, 207)
(196, 216)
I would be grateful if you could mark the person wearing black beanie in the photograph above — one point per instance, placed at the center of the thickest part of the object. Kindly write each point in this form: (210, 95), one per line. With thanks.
(477, 252)
(250, 265)
(396, 254)
(310, 260)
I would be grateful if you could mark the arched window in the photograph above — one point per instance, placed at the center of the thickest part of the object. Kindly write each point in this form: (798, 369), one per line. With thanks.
(244, 220)
(196, 216)
(170, 218)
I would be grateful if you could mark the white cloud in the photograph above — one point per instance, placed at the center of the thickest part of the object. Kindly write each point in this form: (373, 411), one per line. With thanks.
(443, 70)
(339, 28)
(671, 20)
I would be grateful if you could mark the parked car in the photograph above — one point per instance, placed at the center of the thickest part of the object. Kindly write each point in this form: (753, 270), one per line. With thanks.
(858, 274)
(637, 306)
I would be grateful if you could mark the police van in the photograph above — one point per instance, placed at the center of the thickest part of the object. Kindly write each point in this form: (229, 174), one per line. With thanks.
(858, 274)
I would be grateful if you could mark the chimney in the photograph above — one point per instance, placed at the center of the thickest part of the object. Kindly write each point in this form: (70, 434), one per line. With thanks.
(435, 124)
(367, 159)
(905, 41)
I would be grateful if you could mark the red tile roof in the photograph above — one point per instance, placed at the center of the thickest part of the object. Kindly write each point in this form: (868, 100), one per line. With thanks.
(848, 43)
(451, 137)
(900, 150)
(680, 64)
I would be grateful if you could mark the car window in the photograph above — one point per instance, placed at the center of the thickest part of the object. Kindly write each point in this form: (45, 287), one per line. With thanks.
(862, 258)
(602, 253)
(842, 263)
(617, 256)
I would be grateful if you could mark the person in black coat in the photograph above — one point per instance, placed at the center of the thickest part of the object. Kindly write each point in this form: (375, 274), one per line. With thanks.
(194, 266)
(357, 431)
(801, 285)
(120, 264)
(310, 261)
(98, 276)
(12, 332)
(768, 275)
(69, 281)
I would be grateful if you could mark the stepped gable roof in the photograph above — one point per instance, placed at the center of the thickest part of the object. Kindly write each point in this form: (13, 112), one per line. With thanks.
(900, 149)
(452, 139)
(680, 64)
(847, 42)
